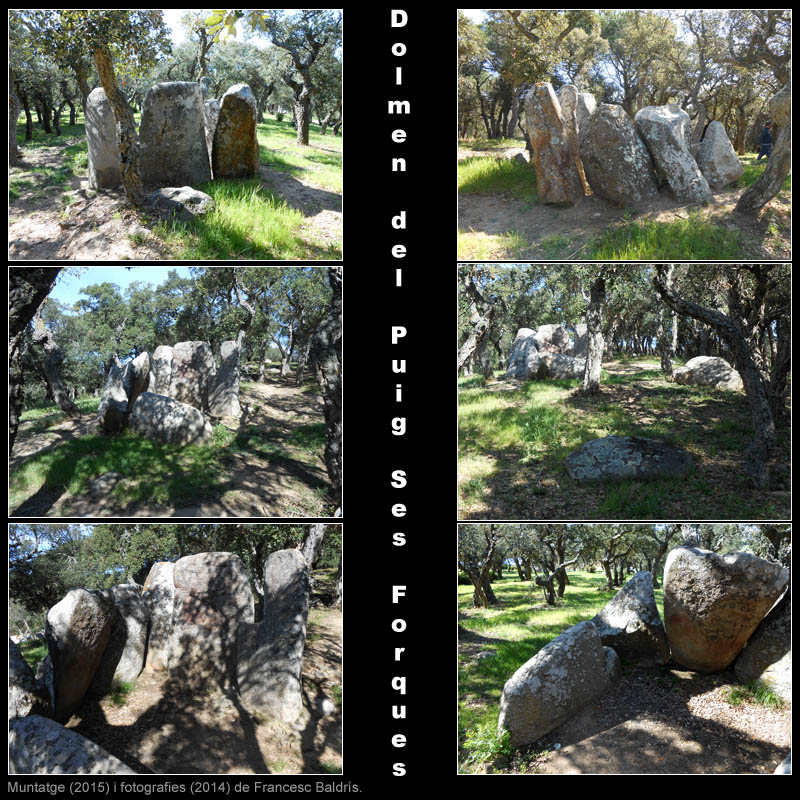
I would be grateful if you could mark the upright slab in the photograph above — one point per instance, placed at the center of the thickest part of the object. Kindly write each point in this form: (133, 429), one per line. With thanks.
(271, 654)
(172, 136)
(235, 149)
(210, 117)
(102, 140)
(716, 157)
(224, 395)
(193, 373)
(159, 596)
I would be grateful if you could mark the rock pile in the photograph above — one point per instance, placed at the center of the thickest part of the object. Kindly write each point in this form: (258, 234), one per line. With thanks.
(714, 605)
(579, 148)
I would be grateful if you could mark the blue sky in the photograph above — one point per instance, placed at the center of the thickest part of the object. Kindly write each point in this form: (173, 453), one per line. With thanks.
(68, 286)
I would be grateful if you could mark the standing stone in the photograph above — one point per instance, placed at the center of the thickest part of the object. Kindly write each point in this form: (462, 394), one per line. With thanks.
(767, 657)
(102, 140)
(125, 652)
(631, 625)
(210, 118)
(161, 370)
(557, 177)
(581, 345)
(159, 597)
(169, 421)
(26, 695)
(40, 746)
(713, 603)
(193, 373)
(112, 412)
(271, 654)
(235, 150)
(587, 105)
(569, 98)
(666, 132)
(562, 678)
(224, 396)
(551, 338)
(523, 358)
(77, 632)
(716, 157)
(172, 136)
(616, 161)
(212, 599)
(136, 377)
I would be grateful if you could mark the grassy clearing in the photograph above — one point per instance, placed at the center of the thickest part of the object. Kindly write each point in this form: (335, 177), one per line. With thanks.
(689, 239)
(248, 221)
(512, 632)
(481, 175)
(514, 439)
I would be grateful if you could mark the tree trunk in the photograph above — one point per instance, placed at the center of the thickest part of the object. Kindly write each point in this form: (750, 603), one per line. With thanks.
(326, 358)
(52, 365)
(128, 138)
(758, 194)
(665, 335)
(14, 106)
(594, 334)
(338, 601)
(302, 116)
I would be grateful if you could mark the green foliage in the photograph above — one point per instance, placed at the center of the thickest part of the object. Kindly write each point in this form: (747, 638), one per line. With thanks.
(756, 693)
(34, 651)
(485, 744)
(481, 175)
(118, 694)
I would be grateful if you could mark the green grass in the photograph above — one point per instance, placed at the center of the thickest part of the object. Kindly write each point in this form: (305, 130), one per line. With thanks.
(478, 246)
(689, 239)
(120, 691)
(753, 169)
(34, 652)
(488, 175)
(755, 693)
(516, 631)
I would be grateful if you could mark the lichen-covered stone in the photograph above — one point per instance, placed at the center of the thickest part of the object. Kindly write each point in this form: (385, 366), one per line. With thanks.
(223, 398)
(666, 132)
(630, 623)
(569, 98)
(562, 678)
(626, 457)
(182, 202)
(172, 136)
(558, 179)
(615, 159)
(709, 371)
(159, 596)
(193, 373)
(164, 419)
(210, 118)
(713, 603)
(716, 157)
(102, 142)
(523, 359)
(234, 152)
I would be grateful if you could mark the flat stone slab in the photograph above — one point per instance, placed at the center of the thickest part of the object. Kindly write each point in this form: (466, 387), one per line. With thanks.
(632, 457)
(183, 202)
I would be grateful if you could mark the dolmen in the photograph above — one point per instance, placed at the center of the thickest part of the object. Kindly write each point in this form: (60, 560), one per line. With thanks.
(547, 352)
(580, 148)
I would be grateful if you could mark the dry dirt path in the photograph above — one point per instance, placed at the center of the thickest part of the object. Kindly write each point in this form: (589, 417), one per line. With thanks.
(160, 729)
(256, 484)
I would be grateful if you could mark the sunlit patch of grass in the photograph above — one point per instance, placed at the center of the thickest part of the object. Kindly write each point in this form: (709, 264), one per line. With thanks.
(34, 652)
(488, 175)
(756, 693)
(689, 239)
(479, 246)
(753, 170)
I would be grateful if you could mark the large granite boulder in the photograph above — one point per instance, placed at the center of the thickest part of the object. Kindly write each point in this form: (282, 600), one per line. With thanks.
(102, 141)
(557, 365)
(523, 358)
(551, 338)
(160, 370)
(235, 149)
(212, 599)
(223, 398)
(271, 653)
(159, 596)
(580, 346)
(585, 104)
(77, 632)
(170, 421)
(716, 157)
(709, 371)
(193, 373)
(557, 177)
(627, 457)
(666, 132)
(125, 652)
(26, 695)
(630, 623)
(616, 161)
(172, 136)
(767, 656)
(713, 603)
(40, 746)
(562, 678)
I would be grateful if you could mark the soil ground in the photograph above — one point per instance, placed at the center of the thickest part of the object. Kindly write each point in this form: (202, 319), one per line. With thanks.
(663, 720)
(553, 232)
(160, 729)
(714, 429)
(256, 485)
(100, 226)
